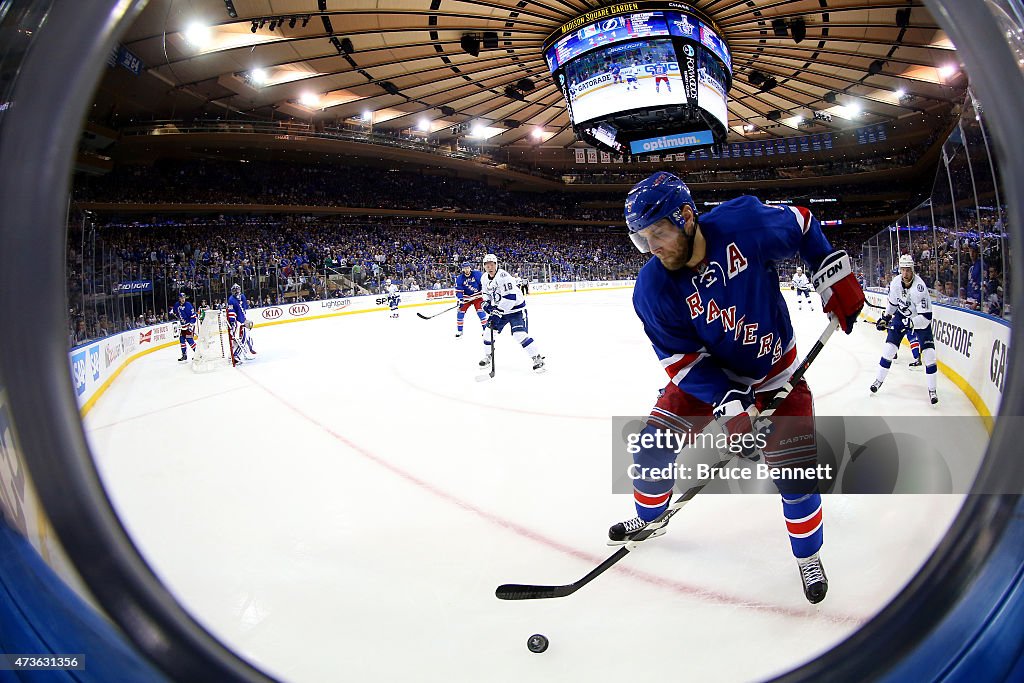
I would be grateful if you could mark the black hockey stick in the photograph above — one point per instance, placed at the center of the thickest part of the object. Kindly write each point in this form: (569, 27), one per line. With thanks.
(428, 317)
(516, 591)
(491, 373)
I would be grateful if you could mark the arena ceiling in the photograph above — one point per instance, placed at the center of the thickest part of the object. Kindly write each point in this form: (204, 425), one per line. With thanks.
(399, 64)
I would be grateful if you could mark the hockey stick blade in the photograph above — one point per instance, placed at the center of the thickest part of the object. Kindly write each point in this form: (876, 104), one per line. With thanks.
(428, 317)
(517, 591)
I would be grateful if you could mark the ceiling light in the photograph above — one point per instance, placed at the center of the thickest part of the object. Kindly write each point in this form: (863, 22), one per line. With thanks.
(309, 99)
(853, 110)
(538, 133)
(424, 125)
(255, 25)
(798, 119)
(197, 34)
(367, 116)
(479, 130)
(901, 93)
(291, 22)
(258, 76)
(947, 70)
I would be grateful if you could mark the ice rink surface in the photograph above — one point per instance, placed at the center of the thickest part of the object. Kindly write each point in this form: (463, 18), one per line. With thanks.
(343, 507)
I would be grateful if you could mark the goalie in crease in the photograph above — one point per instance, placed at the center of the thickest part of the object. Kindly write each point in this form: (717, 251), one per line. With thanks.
(711, 306)
(239, 326)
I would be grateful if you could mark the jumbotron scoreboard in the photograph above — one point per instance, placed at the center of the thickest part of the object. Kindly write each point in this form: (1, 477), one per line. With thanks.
(642, 77)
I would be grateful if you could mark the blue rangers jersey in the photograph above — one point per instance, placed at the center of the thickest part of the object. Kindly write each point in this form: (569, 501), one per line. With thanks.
(185, 312)
(237, 306)
(469, 288)
(725, 325)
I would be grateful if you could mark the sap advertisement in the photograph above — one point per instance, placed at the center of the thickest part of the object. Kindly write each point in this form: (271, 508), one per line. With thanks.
(622, 77)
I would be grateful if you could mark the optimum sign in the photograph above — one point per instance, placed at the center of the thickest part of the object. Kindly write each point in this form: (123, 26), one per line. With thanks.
(703, 137)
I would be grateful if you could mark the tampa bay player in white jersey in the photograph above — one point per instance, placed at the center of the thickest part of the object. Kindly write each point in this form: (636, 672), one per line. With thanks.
(909, 309)
(505, 304)
(631, 71)
(803, 287)
(391, 291)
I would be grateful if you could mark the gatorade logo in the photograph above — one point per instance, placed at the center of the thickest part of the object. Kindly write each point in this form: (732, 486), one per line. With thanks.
(997, 365)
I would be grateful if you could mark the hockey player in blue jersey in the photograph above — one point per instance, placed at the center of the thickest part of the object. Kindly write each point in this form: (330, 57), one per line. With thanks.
(711, 306)
(469, 293)
(240, 326)
(616, 72)
(186, 315)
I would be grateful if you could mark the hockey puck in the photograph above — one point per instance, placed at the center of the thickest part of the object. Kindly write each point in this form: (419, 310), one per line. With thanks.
(537, 643)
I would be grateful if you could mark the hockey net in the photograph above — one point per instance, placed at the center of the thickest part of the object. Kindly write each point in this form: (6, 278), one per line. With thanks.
(214, 342)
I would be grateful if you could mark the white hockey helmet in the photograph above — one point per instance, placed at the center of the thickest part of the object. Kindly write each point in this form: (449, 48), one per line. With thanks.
(906, 261)
(490, 258)
(799, 270)
(236, 289)
(387, 281)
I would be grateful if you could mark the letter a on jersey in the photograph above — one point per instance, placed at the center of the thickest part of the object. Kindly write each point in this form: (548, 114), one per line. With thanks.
(737, 261)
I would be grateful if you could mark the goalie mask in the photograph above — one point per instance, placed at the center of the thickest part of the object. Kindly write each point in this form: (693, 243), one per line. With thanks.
(236, 289)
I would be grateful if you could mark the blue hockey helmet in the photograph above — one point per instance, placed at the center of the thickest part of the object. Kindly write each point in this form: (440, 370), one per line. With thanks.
(182, 295)
(467, 264)
(662, 195)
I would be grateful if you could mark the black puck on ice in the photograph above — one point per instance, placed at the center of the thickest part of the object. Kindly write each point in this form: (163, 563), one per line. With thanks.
(537, 643)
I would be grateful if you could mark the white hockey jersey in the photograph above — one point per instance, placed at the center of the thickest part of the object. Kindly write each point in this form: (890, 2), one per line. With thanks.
(502, 292)
(911, 302)
(801, 283)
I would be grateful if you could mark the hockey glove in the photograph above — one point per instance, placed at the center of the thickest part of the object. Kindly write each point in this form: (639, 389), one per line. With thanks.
(841, 294)
(882, 324)
(248, 324)
(734, 413)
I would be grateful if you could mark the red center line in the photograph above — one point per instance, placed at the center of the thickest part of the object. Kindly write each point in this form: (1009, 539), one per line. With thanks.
(651, 579)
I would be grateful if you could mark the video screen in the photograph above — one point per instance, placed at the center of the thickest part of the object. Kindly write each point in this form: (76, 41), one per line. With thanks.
(642, 73)
(691, 28)
(711, 94)
(605, 32)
